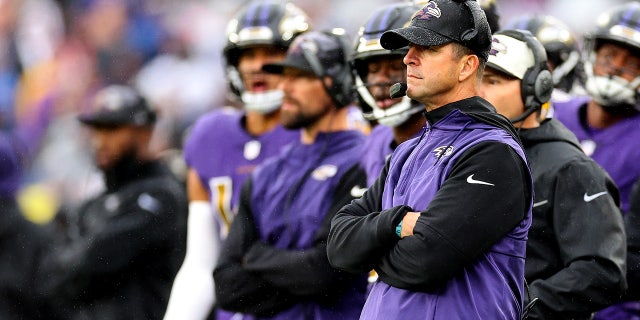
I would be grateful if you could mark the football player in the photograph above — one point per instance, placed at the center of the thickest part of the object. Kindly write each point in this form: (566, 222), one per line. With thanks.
(225, 145)
(563, 54)
(375, 70)
(606, 122)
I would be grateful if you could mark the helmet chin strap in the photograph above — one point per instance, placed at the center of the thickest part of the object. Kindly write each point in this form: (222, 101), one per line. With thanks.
(263, 102)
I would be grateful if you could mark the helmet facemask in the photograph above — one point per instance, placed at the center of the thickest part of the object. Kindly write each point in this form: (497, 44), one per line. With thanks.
(615, 93)
(392, 116)
(617, 26)
(367, 48)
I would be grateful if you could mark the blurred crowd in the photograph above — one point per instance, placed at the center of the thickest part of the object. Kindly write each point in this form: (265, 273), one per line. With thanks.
(58, 53)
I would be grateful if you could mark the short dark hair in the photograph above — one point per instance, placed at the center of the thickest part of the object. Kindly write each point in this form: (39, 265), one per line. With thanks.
(459, 51)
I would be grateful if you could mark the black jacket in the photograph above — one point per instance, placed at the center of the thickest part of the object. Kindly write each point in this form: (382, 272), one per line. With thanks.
(632, 226)
(576, 249)
(122, 249)
(21, 245)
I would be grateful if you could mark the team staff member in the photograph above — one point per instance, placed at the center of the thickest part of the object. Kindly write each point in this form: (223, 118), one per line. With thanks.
(226, 145)
(576, 247)
(606, 121)
(632, 226)
(274, 261)
(445, 224)
(117, 258)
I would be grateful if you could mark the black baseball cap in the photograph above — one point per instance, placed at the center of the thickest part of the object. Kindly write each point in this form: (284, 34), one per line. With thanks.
(323, 54)
(316, 52)
(118, 105)
(443, 21)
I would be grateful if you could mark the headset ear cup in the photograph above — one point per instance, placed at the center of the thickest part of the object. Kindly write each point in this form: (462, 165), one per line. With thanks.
(527, 86)
(537, 82)
(543, 87)
(344, 91)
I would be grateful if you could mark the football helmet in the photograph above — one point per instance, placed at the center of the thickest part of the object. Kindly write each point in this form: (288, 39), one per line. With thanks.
(262, 22)
(368, 46)
(491, 11)
(561, 46)
(620, 25)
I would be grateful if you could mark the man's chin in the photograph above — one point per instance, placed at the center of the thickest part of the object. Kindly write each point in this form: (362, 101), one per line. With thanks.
(290, 125)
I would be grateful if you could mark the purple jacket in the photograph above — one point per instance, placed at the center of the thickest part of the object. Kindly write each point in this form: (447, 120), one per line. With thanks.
(377, 150)
(274, 262)
(467, 176)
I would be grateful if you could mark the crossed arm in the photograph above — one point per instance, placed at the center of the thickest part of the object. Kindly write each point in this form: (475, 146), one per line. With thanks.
(461, 222)
(255, 277)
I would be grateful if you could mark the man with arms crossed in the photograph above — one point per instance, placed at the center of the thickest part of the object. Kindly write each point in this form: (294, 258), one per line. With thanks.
(445, 224)
(274, 262)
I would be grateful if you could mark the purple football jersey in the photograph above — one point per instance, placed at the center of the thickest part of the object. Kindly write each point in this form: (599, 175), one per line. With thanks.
(377, 148)
(616, 148)
(223, 154)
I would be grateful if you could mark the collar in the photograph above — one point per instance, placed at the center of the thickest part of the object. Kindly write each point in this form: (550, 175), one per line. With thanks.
(468, 105)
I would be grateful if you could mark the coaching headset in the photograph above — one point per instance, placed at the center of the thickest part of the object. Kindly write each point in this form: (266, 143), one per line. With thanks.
(537, 83)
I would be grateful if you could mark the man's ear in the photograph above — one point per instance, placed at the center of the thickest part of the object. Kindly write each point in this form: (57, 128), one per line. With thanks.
(468, 66)
(328, 81)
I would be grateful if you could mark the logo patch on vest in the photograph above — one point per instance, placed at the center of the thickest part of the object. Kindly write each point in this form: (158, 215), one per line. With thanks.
(443, 151)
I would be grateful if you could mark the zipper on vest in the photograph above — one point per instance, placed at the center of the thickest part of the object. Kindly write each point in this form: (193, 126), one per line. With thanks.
(413, 155)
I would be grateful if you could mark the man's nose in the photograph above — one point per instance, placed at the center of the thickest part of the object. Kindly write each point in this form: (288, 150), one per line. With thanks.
(410, 57)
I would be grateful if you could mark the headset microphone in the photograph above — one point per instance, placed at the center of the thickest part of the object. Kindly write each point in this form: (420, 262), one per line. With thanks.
(398, 90)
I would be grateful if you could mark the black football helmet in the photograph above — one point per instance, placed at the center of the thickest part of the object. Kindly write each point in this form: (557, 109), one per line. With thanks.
(620, 25)
(491, 11)
(561, 46)
(262, 22)
(367, 46)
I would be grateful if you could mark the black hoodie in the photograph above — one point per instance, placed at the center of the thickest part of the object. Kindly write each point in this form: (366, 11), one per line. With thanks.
(576, 249)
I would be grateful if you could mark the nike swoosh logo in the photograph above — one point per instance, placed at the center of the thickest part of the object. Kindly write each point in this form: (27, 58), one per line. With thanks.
(471, 180)
(539, 203)
(357, 191)
(589, 198)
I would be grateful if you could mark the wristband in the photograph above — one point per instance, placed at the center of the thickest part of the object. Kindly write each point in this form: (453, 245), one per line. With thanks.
(399, 229)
